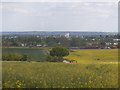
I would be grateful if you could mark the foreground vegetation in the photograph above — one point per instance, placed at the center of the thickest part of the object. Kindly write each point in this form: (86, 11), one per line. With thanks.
(59, 75)
(93, 70)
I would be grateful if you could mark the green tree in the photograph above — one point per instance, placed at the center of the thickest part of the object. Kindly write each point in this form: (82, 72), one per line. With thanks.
(13, 57)
(4, 57)
(77, 42)
(50, 58)
(63, 41)
(102, 44)
(25, 57)
(59, 52)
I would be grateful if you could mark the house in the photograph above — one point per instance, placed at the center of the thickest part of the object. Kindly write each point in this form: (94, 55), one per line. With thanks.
(115, 43)
(38, 45)
(88, 44)
(113, 47)
(116, 40)
(22, 44)
(108, 48)
(65, 61)
(108, 43)
(69, 61)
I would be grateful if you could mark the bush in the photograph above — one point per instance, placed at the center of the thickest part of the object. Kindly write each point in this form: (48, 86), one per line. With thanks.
(15, 57)
(50, 58)
(26, 58)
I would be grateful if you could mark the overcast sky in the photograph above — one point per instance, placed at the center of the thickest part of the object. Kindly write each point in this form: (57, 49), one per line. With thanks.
(68, 16)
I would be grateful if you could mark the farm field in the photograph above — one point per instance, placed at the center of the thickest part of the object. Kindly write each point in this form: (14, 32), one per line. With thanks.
(94, 56)
(37, 54)
(93, 70)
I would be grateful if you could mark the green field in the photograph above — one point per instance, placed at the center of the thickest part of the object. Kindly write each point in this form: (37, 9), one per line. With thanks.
(95, 69)
(36, 54)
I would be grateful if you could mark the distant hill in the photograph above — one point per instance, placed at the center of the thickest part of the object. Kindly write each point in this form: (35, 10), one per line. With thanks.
(48, 33)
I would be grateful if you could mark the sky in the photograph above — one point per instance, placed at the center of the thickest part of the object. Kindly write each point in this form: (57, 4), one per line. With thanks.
(59, 16)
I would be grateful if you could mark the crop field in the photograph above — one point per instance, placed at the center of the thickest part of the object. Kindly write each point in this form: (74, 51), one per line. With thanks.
(35, 53)
(95, 69)
(94, 56)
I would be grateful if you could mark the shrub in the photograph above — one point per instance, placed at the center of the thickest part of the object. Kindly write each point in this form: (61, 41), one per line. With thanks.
(15, 57)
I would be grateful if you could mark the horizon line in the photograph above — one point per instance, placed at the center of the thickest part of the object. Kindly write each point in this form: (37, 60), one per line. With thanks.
(58, 31)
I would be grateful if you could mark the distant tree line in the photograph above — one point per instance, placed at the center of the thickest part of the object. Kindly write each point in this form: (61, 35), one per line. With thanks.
(51, 41)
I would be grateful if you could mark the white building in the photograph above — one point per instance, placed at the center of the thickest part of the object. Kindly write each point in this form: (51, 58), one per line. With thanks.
(38, 45)
(116, 39)
(108, 43)
(67, 35)
(115, 43)
(23, 45)
(65, 61)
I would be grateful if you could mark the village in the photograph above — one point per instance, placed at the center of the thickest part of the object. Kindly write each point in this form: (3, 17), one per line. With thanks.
(67, 40)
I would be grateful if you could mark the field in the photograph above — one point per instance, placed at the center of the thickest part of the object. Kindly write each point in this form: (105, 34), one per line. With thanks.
(35, 53)
(95, 69)
(94, 56)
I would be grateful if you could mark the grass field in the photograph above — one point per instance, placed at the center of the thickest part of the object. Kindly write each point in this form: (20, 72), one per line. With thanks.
(93, 70)
(36, 54)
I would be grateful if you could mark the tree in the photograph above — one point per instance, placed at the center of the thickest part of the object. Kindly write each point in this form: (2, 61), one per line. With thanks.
(50, 58)
(102, 44)
(77, 42)
(63, 41)
(59, 52)
(4, 57)
(25, 57)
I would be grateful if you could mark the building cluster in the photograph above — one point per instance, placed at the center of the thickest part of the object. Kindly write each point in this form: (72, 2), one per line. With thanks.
(90, 43)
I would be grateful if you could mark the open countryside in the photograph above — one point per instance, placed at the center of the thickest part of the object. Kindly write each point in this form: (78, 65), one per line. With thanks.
(80, 55)
(59, 44)
(92, 71)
